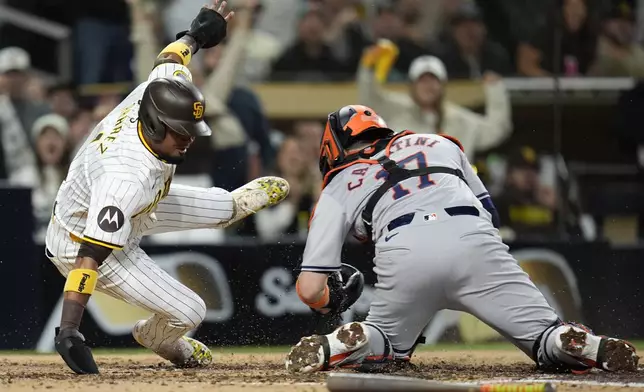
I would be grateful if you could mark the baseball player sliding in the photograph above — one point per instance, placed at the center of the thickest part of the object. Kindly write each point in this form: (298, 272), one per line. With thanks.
(119, 188)
(433, 225)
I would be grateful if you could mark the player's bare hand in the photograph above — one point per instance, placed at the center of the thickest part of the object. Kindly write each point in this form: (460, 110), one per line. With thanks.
(220, 7)
(347, 16)
(490, 77)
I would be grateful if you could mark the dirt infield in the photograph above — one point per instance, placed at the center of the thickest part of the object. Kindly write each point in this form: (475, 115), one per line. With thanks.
(265, 372)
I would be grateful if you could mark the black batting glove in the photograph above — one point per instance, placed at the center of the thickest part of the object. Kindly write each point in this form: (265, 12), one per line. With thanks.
(208, 29)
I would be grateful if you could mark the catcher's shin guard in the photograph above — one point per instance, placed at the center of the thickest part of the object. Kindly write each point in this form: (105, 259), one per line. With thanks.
(380, 360)
(573, 347)
(70, 344)
(342, 346)
(256, 195)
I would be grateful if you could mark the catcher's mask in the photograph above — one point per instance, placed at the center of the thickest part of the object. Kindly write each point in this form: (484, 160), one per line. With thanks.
(344, 129)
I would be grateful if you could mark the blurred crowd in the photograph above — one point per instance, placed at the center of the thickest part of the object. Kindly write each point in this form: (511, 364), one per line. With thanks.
(424, 43)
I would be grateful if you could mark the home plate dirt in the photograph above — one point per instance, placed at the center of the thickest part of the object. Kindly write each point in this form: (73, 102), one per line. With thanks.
(266, 373)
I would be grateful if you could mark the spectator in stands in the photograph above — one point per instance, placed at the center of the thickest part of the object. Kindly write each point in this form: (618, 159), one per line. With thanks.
(240, 127)
(467, 52)
(102, 48)
(63, 99)
(36, 90)
(389, 25)
(229, 142)
(279, 18)
(80, 125)
(170, 16)
(292, 215)
(147, 36)
(309, 134)
(437, 16)
(261, 49)
(309, 58)
(49, 134)
(345, 34)
(246, 105)
(104, 105)
(425, 110)
(421, 18)
(578, 44)
(618, 53)
(526, 206)
(17, 115)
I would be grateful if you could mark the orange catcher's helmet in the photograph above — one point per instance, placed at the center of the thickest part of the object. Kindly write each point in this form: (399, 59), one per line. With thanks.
(345, 128)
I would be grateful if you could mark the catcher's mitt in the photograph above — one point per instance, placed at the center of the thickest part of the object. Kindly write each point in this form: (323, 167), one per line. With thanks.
(345, 287)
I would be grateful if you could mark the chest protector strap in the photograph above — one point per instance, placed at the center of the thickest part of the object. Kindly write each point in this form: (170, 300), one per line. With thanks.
(397, 174)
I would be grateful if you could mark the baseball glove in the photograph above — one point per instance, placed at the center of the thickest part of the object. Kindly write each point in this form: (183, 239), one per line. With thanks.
(345, 287)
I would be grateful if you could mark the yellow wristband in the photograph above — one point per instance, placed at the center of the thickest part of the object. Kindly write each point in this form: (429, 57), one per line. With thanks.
(81, 281)
(180, 49)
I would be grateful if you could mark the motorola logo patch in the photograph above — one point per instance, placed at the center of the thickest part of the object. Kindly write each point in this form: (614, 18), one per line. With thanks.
(110, 219)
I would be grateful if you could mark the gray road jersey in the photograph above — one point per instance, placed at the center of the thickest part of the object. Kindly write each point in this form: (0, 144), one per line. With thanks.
(338, 211)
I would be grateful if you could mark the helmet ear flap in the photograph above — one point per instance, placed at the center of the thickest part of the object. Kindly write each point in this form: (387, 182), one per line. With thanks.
(152, 127)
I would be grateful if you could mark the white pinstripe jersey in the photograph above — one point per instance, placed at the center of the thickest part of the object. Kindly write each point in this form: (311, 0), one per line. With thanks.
(339, 209)
(115, 176)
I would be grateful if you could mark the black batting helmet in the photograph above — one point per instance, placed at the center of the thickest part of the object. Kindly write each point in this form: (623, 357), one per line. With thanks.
(173, 102)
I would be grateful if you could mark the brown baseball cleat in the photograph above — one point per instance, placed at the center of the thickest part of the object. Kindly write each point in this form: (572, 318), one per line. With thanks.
(609, 354)
(315, 353)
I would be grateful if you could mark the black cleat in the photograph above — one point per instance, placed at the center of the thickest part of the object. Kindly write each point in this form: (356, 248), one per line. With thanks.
(70, 344)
